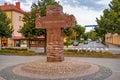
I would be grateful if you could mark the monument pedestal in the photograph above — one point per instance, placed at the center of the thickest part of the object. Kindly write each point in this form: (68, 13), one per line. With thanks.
(55, 45)
(55, 52)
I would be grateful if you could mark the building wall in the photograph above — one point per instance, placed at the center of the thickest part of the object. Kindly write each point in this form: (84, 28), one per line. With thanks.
(9, 15)
(17, 23)
(112, 38)
(15, 14)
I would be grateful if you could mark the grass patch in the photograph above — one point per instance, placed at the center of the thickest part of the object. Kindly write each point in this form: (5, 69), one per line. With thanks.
(71, 53)
(89, 54)
(21, 52)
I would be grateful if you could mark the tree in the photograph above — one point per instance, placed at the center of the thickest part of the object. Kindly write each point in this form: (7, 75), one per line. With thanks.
(76, 32)
(79, 31)
(92, 35)
(5, 28)
(68, 36)
(29, 30)
(85, 36)
(109, 22)
(68, 32)
(41, 5)
(100, 32)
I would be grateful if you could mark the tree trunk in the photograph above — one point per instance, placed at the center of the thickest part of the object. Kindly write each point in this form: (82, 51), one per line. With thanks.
(0, 43)
(45, 44)
(28, 43)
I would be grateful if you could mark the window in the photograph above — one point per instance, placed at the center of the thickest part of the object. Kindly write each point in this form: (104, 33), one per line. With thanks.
(20, 18)
(20, 26)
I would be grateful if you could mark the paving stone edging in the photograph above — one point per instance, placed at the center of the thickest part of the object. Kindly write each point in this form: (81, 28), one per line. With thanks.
(102, 74)
(1, 78)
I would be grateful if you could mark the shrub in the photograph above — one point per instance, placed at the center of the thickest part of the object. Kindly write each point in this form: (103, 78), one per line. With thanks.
(22, 52)
(67, 43)
(88, 54)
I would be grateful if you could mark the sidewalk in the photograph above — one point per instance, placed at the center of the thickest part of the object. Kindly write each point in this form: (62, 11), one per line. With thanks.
(111, 64)
(111, 46)
(114, 49)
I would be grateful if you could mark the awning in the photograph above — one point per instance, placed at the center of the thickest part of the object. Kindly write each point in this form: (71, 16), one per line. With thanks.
(41, 37)
(22, 37)
(18, 37)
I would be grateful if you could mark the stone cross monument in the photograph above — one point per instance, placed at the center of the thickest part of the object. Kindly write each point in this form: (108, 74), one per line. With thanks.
(54, 22)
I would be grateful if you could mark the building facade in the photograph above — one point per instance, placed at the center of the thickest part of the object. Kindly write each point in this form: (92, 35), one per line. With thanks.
(113, 38)
(15, 14)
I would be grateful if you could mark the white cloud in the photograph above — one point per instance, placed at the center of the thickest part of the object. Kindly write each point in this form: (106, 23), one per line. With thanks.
(104, 2)
(25, 6)
(8, 1)
(83, 15)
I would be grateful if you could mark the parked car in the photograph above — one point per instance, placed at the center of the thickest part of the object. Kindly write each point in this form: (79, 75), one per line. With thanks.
(75, 43)
(85, 42)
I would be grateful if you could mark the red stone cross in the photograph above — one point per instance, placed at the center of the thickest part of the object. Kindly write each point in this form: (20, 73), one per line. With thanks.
(54, 21)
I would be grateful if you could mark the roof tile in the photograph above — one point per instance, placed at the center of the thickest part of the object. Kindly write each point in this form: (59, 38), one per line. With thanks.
(11, 7)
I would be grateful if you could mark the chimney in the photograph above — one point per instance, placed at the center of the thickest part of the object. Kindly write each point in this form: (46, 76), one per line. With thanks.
(5, 3)
(18, 5)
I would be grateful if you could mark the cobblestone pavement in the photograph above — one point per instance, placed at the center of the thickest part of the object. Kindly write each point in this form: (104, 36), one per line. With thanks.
(7, 62)
(112, 63)
(103, 73)
(1, 78)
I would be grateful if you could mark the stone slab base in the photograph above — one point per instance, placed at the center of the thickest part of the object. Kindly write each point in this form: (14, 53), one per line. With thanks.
(56, 70)
(53, 59)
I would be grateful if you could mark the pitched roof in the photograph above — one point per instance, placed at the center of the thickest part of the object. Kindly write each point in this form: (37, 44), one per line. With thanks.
(11, 7)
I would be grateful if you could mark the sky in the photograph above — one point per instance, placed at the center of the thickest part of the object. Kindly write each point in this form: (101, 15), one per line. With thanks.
(85, 11)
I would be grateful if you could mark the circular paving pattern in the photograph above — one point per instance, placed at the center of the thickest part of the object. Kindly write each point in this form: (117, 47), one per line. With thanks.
(46, 70)
(1, 78)
(66, 70)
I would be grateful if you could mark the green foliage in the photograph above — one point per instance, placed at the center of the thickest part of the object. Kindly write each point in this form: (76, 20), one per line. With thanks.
(89, 54)
(85, 36)
(41, 6)
(101, 33)
(90, 35)
(21, 52)
(25, 52)
(29, 30)
(5, 28)
(68, 32)
(68, 43)
(110, 20)
(79, 30)
(74, 33)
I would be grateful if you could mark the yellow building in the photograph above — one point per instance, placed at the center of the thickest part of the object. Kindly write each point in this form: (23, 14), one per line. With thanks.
(15, 13)
(112, 38)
